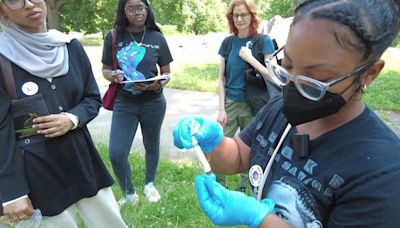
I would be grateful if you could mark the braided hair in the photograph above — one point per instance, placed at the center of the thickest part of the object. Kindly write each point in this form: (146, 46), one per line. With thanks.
(375, 23)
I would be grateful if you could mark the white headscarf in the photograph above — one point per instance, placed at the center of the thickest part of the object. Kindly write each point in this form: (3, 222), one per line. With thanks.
(44, 55)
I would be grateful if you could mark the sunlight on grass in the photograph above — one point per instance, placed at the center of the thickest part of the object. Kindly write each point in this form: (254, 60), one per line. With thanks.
(201, 77)
(384, 92)
(178, 206)
(92, 40)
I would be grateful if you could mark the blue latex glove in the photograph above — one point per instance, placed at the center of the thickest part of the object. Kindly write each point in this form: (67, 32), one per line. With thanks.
(229, 208)
(208, 135)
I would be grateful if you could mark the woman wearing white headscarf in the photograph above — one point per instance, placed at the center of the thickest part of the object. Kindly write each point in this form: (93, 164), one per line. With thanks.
(48, 160)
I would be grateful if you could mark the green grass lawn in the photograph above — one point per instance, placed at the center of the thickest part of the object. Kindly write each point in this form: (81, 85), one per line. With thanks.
(201, 77)
(384, 92)
(178, 206)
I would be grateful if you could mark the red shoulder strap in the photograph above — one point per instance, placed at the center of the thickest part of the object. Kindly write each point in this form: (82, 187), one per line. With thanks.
(113, 43)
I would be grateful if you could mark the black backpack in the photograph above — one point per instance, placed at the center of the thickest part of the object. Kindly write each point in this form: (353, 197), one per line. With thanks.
(256, 88)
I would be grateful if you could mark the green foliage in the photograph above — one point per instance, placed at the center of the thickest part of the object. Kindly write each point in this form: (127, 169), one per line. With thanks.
(88, 16)
(201, 17)
(270, 8)
(169, 30)
(190, 16)
(166, 11)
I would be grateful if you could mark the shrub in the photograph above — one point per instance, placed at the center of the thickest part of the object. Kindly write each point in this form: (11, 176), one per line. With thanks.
(169, 30)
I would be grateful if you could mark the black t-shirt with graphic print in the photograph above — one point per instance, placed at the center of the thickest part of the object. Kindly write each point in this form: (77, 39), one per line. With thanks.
(157, 53)
(351, 177)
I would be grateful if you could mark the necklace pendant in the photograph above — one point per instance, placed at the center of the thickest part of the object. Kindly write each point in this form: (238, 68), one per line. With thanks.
(141, 42)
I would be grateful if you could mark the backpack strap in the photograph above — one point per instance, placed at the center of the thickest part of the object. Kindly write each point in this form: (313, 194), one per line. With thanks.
(8, 76)
(276, 47)
(113, 43)
(258, 43)
(227, 48)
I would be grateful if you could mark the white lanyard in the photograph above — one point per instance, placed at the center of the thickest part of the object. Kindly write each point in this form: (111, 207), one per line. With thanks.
(271, 160)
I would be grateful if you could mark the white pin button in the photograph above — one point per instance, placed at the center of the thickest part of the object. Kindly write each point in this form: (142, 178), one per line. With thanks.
(256, 175)
(30, 88)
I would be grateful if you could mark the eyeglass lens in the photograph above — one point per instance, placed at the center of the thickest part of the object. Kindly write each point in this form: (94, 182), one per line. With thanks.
(309, 89)
(282, 77)
(19, 4)
(242, 15)
(278, 74)
(135, 10)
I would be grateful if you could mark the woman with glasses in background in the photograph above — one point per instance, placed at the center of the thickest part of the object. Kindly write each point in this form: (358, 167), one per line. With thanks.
(47, 158)
(136, 32)
(234, 109)
(319, 132)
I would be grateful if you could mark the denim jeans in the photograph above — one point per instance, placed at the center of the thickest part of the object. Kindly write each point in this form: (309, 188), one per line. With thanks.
(127, 114)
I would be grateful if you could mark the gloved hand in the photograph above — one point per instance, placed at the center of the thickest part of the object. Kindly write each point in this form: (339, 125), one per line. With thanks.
(209, 134)
(228, 208)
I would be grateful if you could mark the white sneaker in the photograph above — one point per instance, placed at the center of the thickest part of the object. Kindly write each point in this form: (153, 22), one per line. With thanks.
(151, 193)
(130, 198)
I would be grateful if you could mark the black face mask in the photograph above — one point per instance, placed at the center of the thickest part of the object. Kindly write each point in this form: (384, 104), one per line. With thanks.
(299, 109)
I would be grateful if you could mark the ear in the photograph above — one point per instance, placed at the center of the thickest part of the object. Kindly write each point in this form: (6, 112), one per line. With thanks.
(373, 72)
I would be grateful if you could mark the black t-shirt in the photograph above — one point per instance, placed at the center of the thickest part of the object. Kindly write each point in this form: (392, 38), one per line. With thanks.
(157, 53)
(351, 177)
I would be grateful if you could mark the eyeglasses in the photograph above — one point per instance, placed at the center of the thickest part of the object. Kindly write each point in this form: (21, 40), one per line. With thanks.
(18, 4)
(242, 15)
(308, 87)
(130, 10)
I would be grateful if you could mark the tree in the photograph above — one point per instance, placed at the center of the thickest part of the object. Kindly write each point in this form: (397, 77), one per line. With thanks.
(167, 11)
(192, 16)
(270, 8)
(53, 7)
(88, 16)
(201, 17)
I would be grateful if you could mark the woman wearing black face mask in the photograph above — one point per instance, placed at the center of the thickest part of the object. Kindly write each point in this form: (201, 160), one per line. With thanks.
(350, 166)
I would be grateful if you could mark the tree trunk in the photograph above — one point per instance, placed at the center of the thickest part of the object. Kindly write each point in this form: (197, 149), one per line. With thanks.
(53, 7)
